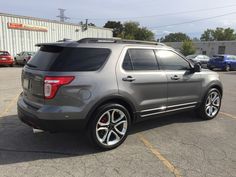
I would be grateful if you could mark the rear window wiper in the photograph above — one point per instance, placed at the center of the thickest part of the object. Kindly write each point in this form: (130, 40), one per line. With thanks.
(30, 65)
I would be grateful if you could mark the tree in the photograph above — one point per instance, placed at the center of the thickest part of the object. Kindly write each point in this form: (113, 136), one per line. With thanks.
(91, 24)
(175, 37)
(219, 34)
(187, 48)
(116, 26)
(207, 35)
(144, 34)
(132, 30)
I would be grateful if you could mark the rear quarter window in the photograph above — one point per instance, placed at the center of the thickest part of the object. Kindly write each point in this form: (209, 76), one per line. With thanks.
(53, 58)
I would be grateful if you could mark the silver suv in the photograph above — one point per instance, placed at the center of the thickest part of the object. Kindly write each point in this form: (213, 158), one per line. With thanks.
(106, 85)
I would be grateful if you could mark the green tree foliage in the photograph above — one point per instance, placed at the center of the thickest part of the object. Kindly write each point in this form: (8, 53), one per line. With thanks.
(116, 26)
(219, 34)
(187, 48)
(130, 30)
(175, 37)
(91, 24)
(144, 34)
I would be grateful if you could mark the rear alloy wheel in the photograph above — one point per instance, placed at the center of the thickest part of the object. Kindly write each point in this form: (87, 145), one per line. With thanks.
(227, 68)
(211, 105)
(110, 126)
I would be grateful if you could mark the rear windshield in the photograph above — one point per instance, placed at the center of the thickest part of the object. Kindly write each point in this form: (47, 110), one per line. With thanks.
(54, 58)
(4, 53)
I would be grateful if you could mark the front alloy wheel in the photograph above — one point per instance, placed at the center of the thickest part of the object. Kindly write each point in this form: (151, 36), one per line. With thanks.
(211, 104)
(110, 126)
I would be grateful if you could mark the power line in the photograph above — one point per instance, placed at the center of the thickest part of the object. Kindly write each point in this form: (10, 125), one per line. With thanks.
(159, 15)
(193, 21)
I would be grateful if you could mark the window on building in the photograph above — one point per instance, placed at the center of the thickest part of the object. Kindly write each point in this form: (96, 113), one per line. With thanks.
(221, 50)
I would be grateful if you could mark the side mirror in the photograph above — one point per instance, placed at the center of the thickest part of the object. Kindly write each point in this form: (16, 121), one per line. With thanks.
(197, 67)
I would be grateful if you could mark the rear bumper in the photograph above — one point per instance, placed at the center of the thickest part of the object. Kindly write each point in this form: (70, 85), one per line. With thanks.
(30, 117)
(6, 62)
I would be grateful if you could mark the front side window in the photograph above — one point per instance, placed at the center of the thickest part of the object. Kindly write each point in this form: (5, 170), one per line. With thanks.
(140, 60)
(169, 60)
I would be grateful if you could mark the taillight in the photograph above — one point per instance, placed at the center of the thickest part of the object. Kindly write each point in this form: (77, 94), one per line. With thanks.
(53, 83)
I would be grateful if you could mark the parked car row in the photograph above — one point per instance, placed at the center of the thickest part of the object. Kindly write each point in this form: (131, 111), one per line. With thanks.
(20, 59)
(223, 62)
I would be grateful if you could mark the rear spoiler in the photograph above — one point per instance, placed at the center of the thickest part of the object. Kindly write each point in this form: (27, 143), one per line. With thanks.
(60, 43)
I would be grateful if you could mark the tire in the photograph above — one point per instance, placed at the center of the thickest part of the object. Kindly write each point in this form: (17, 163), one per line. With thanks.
(24, 62)
(210, 68)
(106, 131)
(16, 63)
(11, 65)
(210, 105)
(227, 68)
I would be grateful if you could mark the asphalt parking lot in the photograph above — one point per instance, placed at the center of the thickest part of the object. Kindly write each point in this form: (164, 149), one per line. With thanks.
(180, 145)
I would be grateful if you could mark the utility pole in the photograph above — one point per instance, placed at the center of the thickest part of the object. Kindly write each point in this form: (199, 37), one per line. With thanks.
(62, 15)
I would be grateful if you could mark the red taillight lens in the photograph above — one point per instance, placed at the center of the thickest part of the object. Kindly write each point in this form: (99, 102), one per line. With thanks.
(53, 83)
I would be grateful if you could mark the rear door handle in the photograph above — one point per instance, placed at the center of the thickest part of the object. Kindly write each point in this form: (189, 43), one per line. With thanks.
(175, 77)
(128, 79)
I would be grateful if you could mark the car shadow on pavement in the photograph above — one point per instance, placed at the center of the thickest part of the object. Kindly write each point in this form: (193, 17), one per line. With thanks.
(19, 144)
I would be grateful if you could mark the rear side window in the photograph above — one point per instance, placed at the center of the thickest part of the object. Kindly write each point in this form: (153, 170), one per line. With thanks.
(140, 59)
(54, 58)
(218, 58)
(169, 60)
(127, 64)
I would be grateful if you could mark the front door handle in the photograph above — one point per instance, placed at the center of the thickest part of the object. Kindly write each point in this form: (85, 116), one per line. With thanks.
(128, 79)
(175, 77)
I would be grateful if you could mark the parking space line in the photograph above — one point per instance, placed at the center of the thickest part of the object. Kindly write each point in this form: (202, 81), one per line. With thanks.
(228, 115)
(9, 106)
(157, 153)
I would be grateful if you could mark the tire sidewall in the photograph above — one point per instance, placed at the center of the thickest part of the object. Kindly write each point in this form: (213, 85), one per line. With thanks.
(92, 128)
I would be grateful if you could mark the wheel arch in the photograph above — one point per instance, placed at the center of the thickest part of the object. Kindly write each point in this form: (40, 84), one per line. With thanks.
(113, 99)
(214, 84)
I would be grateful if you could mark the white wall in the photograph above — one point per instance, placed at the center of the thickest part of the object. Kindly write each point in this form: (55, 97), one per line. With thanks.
(15, 41)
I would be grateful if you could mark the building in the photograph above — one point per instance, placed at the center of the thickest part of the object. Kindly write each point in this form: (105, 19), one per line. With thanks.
(21, 33)
(210, 48)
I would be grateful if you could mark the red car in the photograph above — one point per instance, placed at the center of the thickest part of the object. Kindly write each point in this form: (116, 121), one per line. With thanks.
(6, 58)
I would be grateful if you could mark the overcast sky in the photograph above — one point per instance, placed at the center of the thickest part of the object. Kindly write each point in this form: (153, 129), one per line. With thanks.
(102, 10)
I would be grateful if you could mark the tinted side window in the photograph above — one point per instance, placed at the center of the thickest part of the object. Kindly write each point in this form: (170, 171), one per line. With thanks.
(143, 59)
(169, 60)
(127, 64)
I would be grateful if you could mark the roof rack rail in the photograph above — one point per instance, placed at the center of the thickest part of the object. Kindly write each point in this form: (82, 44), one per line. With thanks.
(64, 40)
(117, 40)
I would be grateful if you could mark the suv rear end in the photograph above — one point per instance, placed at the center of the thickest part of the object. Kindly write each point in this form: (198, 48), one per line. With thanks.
(61, 84)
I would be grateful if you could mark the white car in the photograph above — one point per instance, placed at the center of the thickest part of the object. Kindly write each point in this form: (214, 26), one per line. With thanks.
(23, 57)
(201, 59)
